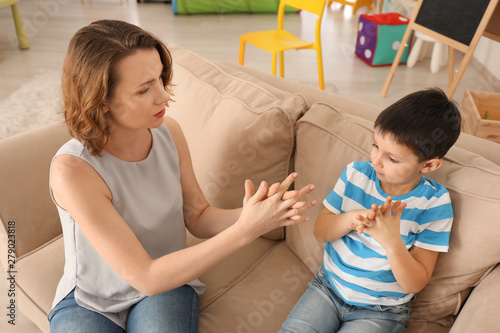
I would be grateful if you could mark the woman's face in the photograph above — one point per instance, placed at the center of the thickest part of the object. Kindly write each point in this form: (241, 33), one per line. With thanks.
(140, 98)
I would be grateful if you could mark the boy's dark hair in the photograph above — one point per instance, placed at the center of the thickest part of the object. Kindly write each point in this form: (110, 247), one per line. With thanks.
(426, 121)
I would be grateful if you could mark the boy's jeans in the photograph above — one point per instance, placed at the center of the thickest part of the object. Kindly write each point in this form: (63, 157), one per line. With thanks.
(320, 309)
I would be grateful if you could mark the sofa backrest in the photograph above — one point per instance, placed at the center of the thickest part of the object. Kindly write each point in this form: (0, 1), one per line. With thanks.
(24, 197)
(235, 129)
(328, 139)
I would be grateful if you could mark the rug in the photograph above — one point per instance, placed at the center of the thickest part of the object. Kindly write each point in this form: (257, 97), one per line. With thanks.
(36, 103)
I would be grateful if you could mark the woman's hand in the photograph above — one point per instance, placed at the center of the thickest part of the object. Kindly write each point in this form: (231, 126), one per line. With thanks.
(273, 207)
(295, 194)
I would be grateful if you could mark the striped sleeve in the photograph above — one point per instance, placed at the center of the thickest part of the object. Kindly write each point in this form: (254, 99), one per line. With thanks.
(436, 223)
(333, 201)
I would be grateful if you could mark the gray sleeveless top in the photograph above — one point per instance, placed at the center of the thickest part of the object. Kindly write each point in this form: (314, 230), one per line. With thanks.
(148, 195)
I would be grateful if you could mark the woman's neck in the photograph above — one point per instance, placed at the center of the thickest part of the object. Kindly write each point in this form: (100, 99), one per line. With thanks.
(130, 145)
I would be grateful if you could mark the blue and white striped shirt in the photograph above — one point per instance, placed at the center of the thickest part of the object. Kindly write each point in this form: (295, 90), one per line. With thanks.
(356, 265)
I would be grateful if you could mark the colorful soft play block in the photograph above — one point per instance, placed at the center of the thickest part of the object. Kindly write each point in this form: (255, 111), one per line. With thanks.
(188, 7)
(379, 38)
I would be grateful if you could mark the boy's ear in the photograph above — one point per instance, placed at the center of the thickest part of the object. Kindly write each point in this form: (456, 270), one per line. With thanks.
(431, 165)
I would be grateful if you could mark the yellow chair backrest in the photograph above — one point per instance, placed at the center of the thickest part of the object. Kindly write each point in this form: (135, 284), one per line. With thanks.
(313, 6)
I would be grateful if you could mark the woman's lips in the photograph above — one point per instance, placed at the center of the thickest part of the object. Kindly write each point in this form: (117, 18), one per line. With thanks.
(160, 114)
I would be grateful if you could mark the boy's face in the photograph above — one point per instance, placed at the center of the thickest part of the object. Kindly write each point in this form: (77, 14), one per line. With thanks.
(397, 167)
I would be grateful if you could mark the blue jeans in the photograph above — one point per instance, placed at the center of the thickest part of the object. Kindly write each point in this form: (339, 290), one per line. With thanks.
(322, 310)
(173, 311)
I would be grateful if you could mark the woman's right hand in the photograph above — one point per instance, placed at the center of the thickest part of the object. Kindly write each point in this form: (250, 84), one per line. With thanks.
(271, 208)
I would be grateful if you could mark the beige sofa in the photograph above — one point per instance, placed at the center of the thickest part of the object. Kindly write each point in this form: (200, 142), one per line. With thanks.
(243, 124)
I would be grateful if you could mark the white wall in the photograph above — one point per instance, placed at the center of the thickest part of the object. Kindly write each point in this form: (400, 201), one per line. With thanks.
(488, 53)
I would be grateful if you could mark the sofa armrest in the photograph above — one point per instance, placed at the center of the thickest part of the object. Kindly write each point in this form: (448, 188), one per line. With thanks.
(479, 313)
(26, 208)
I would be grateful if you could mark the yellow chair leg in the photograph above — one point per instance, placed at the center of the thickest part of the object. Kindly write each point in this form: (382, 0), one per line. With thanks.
(273, 66)
(362, 3)
(18, 22)
(282, 64)
(241, 59)
(320, 69)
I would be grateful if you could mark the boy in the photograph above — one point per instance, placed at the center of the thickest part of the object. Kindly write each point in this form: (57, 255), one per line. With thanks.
(380, 252)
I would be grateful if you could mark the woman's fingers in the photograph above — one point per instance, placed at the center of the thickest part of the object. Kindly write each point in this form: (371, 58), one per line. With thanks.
(286, 183)
(298, 195)
(249, 191)
(273, 189)
(301, 206)
(253, 197)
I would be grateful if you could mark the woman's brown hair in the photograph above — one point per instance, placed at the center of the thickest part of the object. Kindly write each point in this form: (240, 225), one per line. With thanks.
(89, 75)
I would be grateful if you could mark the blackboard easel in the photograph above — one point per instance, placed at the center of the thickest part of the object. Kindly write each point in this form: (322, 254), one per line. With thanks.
(456, 23)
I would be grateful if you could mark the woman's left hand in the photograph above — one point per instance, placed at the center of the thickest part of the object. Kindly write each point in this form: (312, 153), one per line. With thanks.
(299, 206)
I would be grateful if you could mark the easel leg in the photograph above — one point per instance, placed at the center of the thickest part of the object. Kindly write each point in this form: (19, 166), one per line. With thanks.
(395, 64)
(460, 73)
(451, 65)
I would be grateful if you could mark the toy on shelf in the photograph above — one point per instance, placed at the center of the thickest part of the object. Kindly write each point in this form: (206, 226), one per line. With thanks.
(187, 7)
(379, 38)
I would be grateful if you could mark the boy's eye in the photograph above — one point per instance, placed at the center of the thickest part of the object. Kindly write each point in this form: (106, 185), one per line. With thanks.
(392, 160)
(374, 145)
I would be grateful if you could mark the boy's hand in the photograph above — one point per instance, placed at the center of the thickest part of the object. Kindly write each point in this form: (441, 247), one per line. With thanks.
(379, 222)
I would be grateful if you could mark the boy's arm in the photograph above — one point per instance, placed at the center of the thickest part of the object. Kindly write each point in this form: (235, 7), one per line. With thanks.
(330, 226)
(411, 269)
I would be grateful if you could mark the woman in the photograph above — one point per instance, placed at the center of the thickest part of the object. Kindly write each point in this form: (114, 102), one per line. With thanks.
(122, 186)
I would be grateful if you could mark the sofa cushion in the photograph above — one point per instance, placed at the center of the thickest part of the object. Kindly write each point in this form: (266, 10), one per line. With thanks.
(473, 183)
(479, 314)
(41, 267)
(235, 129)
(261, 301)
(232, 270)
(327, 140)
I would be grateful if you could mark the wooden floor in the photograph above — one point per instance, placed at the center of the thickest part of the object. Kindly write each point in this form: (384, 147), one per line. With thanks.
(51, 23)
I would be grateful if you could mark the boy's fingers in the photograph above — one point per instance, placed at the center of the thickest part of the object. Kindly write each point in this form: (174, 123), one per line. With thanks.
(399, 211)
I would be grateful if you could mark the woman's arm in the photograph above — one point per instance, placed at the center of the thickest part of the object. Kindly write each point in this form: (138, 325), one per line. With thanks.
(202, 220)
(78, 189)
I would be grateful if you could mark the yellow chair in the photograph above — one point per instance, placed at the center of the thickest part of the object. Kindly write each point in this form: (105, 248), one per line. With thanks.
(278, 41)
(21, 33)
(356, 4)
